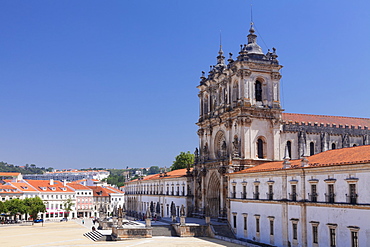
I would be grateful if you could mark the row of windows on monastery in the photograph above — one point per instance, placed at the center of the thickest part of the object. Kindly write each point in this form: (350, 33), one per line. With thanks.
(253, 192)
(53, 196)
(156, 189)
(210, 102)
(269, 226)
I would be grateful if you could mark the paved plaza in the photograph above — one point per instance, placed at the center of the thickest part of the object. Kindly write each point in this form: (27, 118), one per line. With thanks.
(71, 234)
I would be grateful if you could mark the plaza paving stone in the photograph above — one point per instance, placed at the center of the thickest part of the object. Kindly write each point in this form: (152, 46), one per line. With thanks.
(71, 234)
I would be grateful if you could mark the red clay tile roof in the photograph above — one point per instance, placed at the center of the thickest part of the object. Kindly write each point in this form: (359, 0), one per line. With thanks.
(9, 189)
(78, 186)
(39, 184)
(22, 186)
(113, 189)
(100, 191)
(337, 120)
(172, 174)
(9, 174)
(343, 156)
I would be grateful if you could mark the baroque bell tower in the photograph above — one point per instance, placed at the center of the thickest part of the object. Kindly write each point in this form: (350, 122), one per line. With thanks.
(239, 121)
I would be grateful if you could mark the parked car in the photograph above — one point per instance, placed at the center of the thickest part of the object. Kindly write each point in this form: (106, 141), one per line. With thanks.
(64, 219)
(38, 220)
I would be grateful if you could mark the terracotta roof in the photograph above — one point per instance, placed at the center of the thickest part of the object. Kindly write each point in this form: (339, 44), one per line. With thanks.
(99, 191)
(343, 156)
(22, 186)
(305, 119)
(9, 189)
(172, 174)
(113, 189)
(45, 186)
(9, 174)
(78, 186)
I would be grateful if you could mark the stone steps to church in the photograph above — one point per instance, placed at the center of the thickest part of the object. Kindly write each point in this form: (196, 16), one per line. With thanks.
(223, 230)
(95, 236)
(163, 230)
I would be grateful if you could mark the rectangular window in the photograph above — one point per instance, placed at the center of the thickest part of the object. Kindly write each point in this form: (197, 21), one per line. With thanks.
(354, 239)
(295, 231)
(244, 193)
(294, 193)
(313, 193)
(352, 194)
(330, 198)
(257, 225)
(271, 227)
(314, 234)
(245, 223)
(271, 193)
(233, 193)
(234, 221)
(332, 238)
(256, 192)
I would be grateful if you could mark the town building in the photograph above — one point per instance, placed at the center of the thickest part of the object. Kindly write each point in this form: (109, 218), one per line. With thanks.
(106, 198)
(69, 175)
(158, 192)
(84, 200)
(321, 200)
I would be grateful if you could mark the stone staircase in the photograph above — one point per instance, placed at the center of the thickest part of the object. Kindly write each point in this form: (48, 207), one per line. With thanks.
(223, 230)
(95, 236)
(164, 230)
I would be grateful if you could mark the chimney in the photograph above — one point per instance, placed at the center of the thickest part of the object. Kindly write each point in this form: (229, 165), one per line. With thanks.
(304, 162)
(51, 181)
(64, 183)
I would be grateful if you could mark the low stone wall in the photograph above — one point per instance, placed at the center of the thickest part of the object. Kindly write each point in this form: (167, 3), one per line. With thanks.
(191, 230)
(132, 232)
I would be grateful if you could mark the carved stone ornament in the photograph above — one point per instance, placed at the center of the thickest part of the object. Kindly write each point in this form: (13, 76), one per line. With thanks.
(228, 123)
(243, 73)
(200, 132)
(222, 170)
(244, 121)
(275, 76)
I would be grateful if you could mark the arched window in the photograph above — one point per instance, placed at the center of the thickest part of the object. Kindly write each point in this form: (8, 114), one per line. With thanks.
(289, 146)
(260, 148)
(312, 148)
(333, 146)
(354, 145)
(258, 91)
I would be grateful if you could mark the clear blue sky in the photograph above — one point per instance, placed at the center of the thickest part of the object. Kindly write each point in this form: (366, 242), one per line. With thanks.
(113, 83)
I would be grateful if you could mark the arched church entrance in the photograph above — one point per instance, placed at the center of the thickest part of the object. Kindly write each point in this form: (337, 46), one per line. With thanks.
(213, 195)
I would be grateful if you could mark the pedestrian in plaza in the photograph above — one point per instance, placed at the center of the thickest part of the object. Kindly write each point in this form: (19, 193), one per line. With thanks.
(83, 221)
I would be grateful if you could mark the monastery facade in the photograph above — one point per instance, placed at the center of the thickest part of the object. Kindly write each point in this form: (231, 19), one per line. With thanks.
(301, 178)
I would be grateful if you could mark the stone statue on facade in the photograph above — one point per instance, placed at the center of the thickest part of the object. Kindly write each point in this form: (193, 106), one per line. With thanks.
(236, 147)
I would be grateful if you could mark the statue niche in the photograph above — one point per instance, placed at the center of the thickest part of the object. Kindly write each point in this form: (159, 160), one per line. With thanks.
(220, 145)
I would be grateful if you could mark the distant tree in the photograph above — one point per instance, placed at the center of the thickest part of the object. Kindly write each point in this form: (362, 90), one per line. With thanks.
(67, 205)
(34, 206)
(182, 161)
(15, 206)
(2, 207)
(153, 170)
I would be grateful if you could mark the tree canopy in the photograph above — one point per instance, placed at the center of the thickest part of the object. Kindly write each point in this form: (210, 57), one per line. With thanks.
(15, 206)
(67, 205)
(183, 160)
(34, 206)
(153, 170)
